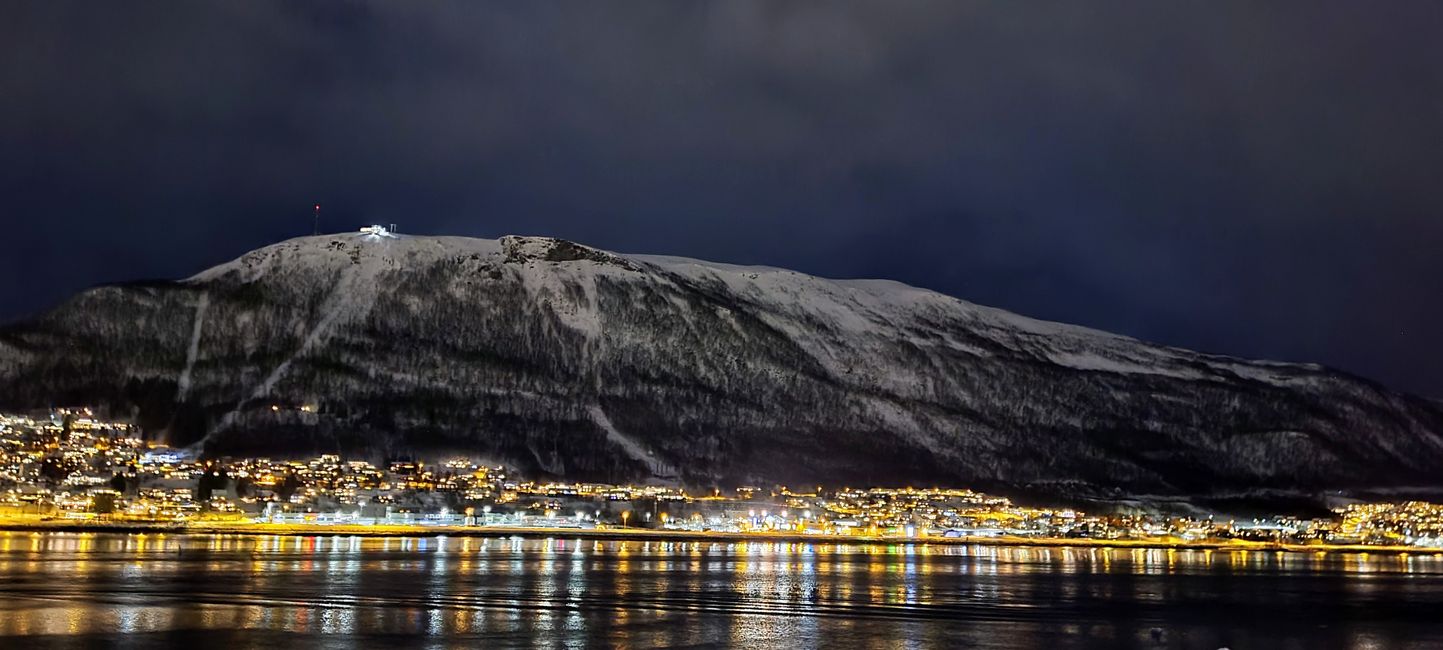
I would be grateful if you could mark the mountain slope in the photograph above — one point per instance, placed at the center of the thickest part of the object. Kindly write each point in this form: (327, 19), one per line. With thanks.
(564, 359)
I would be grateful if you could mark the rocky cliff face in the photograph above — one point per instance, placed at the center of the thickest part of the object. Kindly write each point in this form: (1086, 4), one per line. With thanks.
(563, 359)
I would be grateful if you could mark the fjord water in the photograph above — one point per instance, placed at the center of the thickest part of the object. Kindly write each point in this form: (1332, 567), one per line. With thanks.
(80, 590)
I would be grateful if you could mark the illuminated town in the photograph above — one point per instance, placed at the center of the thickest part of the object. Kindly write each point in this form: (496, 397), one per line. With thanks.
(68, 467)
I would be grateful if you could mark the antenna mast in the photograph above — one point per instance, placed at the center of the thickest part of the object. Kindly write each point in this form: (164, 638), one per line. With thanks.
(316, 229)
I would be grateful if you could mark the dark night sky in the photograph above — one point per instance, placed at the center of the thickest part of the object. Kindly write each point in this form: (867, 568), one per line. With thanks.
(1258, 179)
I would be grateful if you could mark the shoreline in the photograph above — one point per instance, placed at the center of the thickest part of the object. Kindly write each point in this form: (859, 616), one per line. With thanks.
(654, 535)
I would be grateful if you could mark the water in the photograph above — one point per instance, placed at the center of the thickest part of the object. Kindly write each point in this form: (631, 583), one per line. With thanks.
(73, 590)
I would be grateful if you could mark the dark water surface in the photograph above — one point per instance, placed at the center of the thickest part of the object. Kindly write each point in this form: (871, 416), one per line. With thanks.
(84, 590)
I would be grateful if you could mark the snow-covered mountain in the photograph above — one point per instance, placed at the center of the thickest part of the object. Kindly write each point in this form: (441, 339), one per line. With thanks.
(559, 358)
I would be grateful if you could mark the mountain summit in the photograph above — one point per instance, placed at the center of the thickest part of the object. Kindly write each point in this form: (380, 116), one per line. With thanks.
(562, 359)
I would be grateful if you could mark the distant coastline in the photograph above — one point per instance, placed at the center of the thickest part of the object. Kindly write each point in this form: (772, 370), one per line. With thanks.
(656, 535)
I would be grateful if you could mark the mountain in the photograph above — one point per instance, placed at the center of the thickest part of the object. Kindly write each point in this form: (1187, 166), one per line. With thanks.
(561, 359)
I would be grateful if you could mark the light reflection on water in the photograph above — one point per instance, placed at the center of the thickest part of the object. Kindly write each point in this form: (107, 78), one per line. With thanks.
(63, 588)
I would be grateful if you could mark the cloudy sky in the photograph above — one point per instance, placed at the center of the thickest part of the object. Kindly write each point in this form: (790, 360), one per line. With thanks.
(1258, 179)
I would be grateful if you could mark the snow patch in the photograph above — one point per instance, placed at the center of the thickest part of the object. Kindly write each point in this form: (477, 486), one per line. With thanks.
(903, 423)
(632, 448)
(1094, 362)
(183, 383)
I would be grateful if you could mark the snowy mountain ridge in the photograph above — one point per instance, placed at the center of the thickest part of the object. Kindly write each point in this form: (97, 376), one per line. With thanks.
(568, 360)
